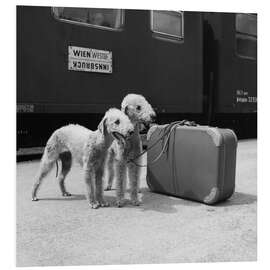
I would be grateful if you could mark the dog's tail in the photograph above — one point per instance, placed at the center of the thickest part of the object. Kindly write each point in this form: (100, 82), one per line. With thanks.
(56, 162)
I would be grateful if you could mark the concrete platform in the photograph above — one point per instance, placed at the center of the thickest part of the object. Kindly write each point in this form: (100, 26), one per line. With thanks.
(65, 231)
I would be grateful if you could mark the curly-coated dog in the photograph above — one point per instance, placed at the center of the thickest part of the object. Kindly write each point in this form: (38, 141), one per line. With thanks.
(139, 112)
(88, 148)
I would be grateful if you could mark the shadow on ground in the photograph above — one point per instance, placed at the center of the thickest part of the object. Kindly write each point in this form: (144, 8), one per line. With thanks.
(163, 203)
(167, 204)
(74, 197)
(239, 198)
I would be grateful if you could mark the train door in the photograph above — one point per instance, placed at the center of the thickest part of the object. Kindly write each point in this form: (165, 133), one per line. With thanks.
(237, 84)
(234, 64)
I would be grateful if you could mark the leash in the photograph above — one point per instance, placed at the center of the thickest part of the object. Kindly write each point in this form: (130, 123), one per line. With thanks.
(56, 162)
(165, 138)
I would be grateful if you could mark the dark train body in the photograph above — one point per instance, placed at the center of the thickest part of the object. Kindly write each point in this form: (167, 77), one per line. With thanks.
(208, 73)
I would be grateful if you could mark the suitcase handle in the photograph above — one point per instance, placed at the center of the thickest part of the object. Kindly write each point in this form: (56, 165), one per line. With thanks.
(166, 136)
(188, 123)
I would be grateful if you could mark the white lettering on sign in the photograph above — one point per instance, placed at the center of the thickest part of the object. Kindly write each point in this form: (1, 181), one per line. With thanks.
(25, 108)
(90, 60)
(243, 97)
(252, 99)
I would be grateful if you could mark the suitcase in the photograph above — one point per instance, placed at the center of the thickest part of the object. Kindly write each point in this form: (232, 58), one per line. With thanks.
(192, 162)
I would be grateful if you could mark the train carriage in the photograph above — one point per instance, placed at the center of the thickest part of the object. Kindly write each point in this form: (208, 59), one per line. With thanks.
(231, 46)
(74, 63)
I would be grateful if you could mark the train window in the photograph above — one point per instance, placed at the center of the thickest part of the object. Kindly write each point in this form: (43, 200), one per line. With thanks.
(96, 17)
(246, 24)
(246, 35)
(169, 23)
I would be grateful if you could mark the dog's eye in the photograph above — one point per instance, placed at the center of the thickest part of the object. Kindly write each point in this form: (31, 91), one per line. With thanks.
(117, 122)
(138, 108)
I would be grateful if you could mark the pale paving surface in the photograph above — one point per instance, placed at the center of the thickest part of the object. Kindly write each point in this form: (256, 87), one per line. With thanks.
(65, 231)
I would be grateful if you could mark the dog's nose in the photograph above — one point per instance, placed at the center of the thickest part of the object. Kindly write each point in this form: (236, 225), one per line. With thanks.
(153, 117)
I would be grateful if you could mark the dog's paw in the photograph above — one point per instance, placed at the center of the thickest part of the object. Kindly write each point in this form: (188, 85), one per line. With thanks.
(34, 199)
(120, 203)
(135, 202)
(66, 194)
(94, 205)
(103, 204)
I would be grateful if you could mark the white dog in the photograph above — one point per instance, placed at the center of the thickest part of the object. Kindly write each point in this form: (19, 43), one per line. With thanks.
(120, 156)
(88, 148)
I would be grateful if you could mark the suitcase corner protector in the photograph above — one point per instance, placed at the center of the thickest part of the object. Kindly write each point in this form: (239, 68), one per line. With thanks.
(215, 135)
(212, 197)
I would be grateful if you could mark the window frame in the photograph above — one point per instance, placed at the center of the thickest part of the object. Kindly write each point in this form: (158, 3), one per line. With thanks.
(244, 35)
(122, 22)
(166, 35)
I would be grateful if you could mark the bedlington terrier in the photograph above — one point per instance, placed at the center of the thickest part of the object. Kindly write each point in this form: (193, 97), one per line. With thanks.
(119, 156)
(86, 147)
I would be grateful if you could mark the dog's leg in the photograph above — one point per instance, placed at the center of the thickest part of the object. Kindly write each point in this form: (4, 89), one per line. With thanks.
(110, 169)
(120, 182)
(99, 188)
(134, 174)
(45, 167)
(66, 160)
(89, 177)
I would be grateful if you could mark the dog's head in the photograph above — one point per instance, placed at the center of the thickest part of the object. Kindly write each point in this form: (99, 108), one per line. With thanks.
(137, 108)
(116, 124)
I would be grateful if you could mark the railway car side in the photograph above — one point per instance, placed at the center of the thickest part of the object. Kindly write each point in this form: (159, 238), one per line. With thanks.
(162, 61)
(75, 63)
(231, 64)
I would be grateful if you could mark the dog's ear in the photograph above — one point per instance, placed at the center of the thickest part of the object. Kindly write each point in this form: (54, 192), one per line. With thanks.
(102, 126)
(126, 110)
